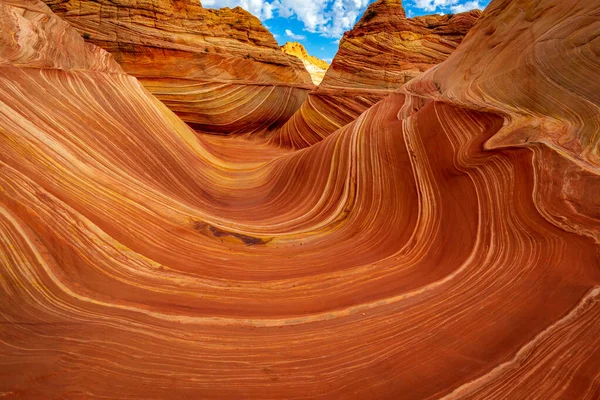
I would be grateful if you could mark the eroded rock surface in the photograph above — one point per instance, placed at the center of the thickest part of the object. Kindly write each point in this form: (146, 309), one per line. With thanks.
(219, 70)
(421, 251)
(383, 51)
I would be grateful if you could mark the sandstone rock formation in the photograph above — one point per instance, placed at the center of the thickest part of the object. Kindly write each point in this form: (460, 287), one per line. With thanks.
(383, 51)
(219, 70)
(315, 67)
(564, 113)
(422, 251)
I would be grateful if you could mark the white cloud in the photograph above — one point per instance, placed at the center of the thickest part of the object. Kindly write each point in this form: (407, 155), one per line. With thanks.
(468, 6)
(329, 18)
(441, 6)
(344, 14)
(310, 12)
(433, 5)
(292, 35)
(261, 8)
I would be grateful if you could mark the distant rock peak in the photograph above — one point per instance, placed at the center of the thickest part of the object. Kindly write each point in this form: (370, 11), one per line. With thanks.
(315, 66)
(382, 12)
(298, 50)
(389, 16)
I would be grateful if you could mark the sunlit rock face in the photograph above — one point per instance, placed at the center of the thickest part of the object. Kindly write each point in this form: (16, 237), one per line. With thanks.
(383, 51)
(419, 252)
(219, 70)
(315, 66)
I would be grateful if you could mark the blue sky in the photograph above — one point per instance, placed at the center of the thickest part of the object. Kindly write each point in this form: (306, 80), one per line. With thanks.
(319, 24)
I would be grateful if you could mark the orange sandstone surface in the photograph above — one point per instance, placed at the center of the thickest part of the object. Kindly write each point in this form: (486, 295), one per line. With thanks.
(221, 71)
(315, 67)
(444, 244)
(383, 51)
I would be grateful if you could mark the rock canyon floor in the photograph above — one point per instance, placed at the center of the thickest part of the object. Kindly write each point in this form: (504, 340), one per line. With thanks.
(185, 215)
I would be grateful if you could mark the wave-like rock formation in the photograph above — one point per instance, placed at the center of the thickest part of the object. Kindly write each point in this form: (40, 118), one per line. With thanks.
(565, 111)
(315, 66)
(422, 251)
(219, 70)
(383, 51)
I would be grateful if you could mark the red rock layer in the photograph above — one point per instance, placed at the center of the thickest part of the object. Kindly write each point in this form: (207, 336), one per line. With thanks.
(397, 258)
(219, 70)
(382, 52)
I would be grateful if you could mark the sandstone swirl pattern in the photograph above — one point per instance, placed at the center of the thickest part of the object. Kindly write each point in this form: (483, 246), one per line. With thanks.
(219, 70)
(383, 51)
(419, 252)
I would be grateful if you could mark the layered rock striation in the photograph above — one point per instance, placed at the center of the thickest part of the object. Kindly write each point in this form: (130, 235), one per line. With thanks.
(385, 49)
(564, 109)
(315, 66)
(382, 52)
(421, 251)
(219, 70)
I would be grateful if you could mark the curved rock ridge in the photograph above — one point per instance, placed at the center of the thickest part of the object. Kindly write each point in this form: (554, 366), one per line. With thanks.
(383, 51)
(541, 99)
(400, 257)
(315, 66)
(47, 49)
(219, 70)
